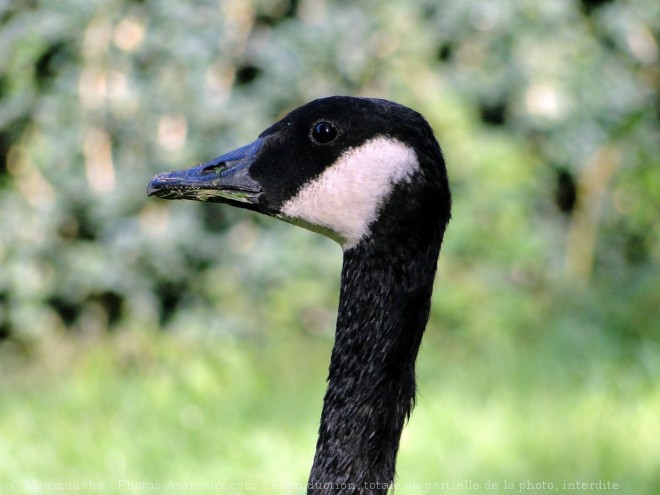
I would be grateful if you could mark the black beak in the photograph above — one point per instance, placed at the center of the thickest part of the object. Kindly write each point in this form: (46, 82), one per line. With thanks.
(224, 179)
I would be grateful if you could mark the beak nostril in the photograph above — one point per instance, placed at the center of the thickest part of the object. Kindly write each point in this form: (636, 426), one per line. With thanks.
(214, 167)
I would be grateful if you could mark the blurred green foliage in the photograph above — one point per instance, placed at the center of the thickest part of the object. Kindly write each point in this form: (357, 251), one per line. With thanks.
(534, 104)
(547, 113)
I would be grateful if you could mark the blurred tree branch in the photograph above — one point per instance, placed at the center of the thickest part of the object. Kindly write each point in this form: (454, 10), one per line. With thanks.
(593, 185)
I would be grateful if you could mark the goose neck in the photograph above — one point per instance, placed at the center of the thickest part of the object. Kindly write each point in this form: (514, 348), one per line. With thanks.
(383, 309)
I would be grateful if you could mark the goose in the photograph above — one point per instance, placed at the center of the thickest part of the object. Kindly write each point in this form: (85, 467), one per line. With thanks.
(369, 174)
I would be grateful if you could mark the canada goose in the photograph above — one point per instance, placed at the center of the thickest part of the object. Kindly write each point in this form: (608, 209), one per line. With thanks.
(369, 174)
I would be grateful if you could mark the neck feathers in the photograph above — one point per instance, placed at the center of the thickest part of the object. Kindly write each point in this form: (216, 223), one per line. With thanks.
(383, 309)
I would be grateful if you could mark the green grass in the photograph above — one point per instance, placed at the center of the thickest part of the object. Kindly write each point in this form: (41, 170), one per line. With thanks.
(136, 411)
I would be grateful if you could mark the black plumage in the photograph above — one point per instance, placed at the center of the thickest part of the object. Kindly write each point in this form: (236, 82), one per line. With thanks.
(388, 269)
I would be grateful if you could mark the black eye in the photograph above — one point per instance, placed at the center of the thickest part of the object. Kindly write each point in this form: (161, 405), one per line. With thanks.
(323, 132)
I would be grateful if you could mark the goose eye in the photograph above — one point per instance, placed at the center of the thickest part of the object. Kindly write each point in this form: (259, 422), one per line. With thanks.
(323, 133)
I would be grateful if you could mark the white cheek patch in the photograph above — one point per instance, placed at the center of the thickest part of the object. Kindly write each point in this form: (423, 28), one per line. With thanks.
(345, 197)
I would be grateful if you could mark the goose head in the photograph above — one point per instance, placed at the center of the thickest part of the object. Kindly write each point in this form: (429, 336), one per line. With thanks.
(333, 166)
(369, 174)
